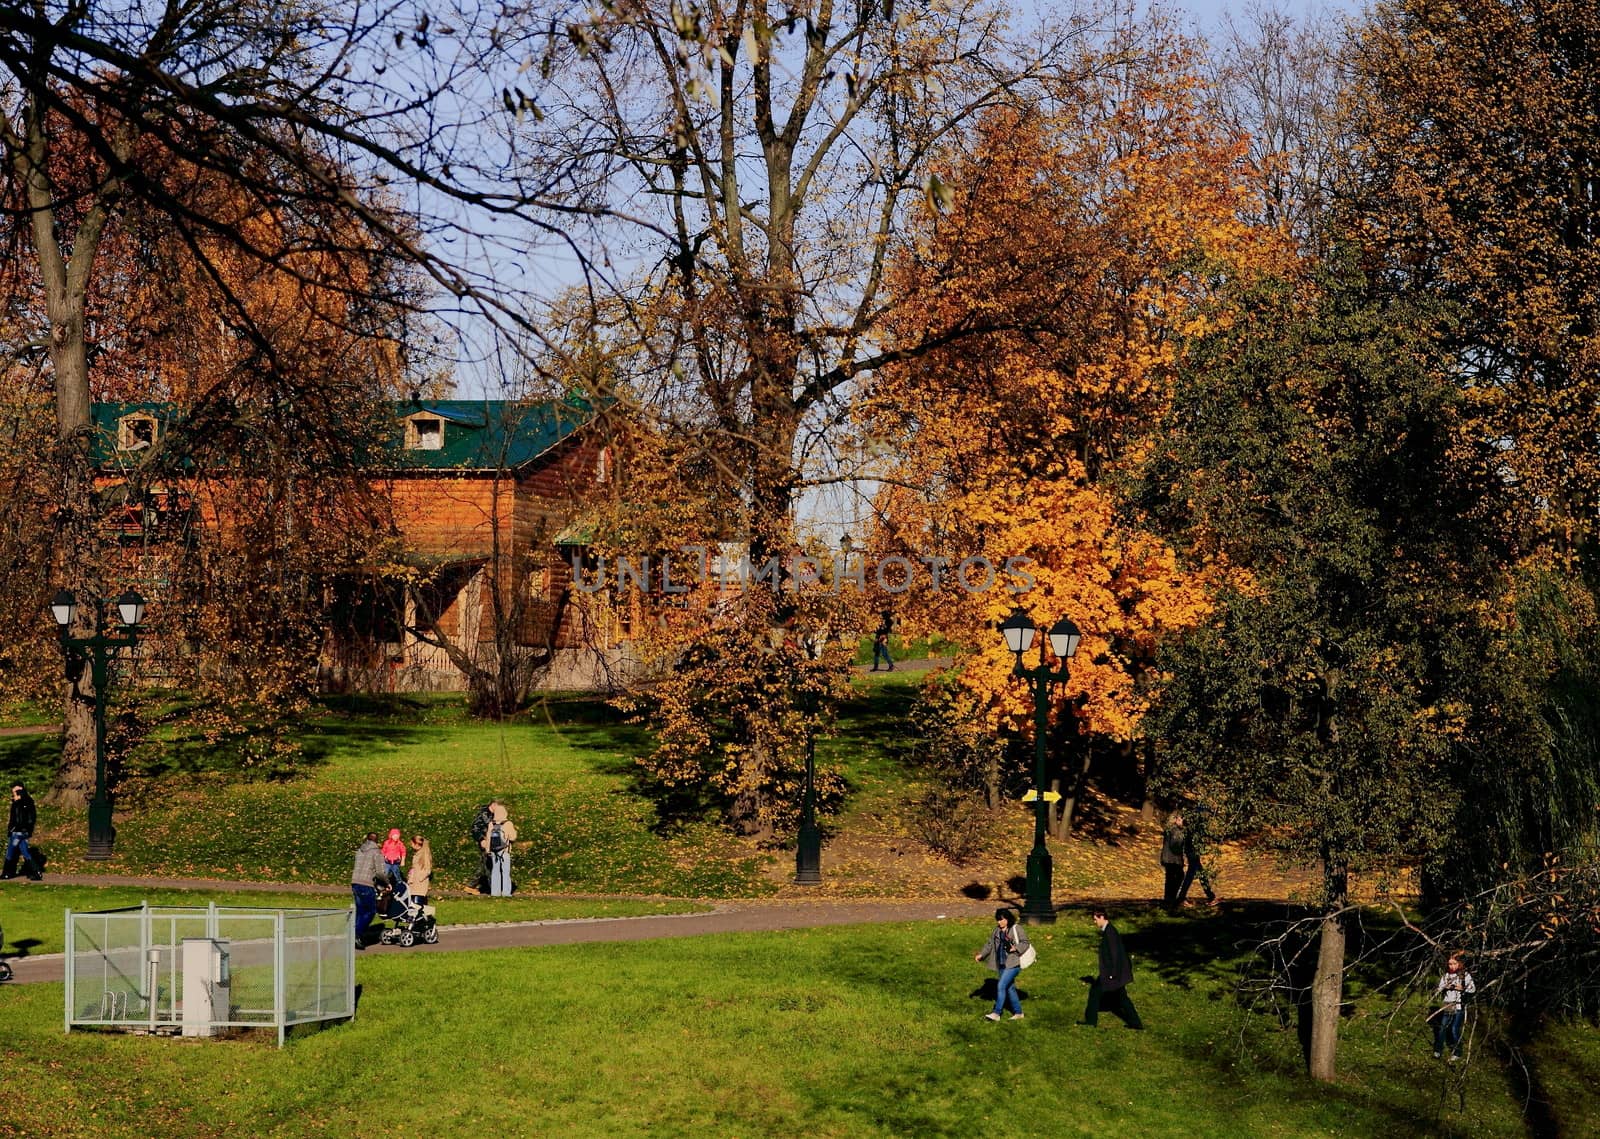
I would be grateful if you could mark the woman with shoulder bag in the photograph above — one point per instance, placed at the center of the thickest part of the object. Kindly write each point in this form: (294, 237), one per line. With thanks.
(1007, 953)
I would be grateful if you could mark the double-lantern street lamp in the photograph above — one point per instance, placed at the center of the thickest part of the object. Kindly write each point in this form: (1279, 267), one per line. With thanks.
(1018, 630)
(808, 843)
(97, 651)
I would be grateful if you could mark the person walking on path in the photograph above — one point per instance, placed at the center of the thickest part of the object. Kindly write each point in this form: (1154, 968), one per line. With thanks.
(1173, 840)
(497, 843)
(1110, 987)
(1451, 993)
(419, 879)
(880, 643)
(19, 829)
(1004, 951)
(1193, 835)
(364, 877)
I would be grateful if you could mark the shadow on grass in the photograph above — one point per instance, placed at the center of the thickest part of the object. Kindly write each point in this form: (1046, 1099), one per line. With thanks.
(382, 705)
(591, 723)
(30, 760)
(1096, 817)
(1234, 957)
(1554, 1066)
(182, 750)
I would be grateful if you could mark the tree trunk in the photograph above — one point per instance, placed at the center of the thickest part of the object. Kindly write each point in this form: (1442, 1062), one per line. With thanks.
(745, 811)
(1147, 804)
(79, 561)
(1080, 783)
(1327, 991)
(78, 555)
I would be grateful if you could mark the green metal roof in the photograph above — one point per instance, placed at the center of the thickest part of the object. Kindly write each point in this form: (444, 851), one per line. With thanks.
(478, 434)
(486, 434)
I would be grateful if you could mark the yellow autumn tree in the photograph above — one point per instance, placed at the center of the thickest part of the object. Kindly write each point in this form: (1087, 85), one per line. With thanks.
(1071, 254)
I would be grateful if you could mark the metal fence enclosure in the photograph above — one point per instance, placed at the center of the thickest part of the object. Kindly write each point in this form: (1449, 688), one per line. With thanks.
(200, 969)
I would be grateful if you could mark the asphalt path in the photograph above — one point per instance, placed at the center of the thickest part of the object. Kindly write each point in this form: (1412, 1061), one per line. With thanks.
(726, 917)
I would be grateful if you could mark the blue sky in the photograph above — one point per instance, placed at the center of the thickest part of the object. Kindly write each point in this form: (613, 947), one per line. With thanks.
(1206, 13)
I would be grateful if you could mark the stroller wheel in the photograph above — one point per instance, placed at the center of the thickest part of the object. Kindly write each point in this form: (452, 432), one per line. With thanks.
(431, 935)
(407, 938)
(5, 971)
(387, 937)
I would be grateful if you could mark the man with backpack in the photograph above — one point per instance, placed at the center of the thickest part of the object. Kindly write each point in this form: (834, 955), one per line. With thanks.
(480, 831)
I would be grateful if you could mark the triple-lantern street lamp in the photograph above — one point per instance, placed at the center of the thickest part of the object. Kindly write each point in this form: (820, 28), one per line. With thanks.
(97, 651)
(1018, 630)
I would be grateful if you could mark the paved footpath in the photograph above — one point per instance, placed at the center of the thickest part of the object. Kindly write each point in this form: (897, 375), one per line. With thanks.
(725, 917)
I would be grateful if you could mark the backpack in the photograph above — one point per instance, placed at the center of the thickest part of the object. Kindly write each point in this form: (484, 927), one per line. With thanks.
(497, 840)
(481, 822)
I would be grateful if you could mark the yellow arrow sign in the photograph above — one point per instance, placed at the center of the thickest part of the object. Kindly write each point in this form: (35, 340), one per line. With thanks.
(1049, 797)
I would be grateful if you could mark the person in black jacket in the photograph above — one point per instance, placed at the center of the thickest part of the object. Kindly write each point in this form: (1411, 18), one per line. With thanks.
(1110, 987)
(1193, 835)
(19, 829)
(1174, 841)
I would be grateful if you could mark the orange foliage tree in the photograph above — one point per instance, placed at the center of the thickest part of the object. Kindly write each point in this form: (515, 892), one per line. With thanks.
(1077, 249)
(1479, 184)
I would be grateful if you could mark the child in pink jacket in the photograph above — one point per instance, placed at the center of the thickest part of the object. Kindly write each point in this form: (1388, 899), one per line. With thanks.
(394, 856)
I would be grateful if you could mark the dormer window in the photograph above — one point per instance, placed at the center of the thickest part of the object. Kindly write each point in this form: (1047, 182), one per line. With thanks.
(425, 433)
(136, 432)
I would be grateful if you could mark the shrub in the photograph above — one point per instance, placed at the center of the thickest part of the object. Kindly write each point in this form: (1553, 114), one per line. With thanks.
(952, 823)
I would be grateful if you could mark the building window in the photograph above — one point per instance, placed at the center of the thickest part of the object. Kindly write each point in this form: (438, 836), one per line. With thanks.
(602, 466)
(425, 433)
(136, 432)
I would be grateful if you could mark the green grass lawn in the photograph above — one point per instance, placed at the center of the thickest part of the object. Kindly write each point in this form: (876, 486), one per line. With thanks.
(29, 714)
(901, 649)
(32, 914)
(565, 770)
(421, 763)
(865, 1031)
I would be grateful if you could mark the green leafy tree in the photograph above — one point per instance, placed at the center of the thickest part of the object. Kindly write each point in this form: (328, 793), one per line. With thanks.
(1313, 443)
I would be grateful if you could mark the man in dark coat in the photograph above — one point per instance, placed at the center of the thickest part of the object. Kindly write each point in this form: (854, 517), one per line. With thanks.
(19, 829)
(1193, 835)
(1110, 987)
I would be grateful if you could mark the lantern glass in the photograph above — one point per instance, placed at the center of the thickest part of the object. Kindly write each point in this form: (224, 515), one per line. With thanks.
(1064, 638)
(64, 608)
(130, 607)
(1018, 630)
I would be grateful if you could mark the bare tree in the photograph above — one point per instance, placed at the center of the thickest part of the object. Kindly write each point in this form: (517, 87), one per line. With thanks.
(1277, 75)
(765, 155)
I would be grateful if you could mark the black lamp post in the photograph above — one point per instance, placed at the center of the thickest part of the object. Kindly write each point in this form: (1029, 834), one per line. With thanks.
(808, 844)
(97, 651)
(1018, 630)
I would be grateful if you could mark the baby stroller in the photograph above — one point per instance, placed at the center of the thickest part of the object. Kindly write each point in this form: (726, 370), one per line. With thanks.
(5, 970)
(410, 920)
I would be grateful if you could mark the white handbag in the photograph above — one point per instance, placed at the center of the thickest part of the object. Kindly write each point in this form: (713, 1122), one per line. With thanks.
(1027, 957)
